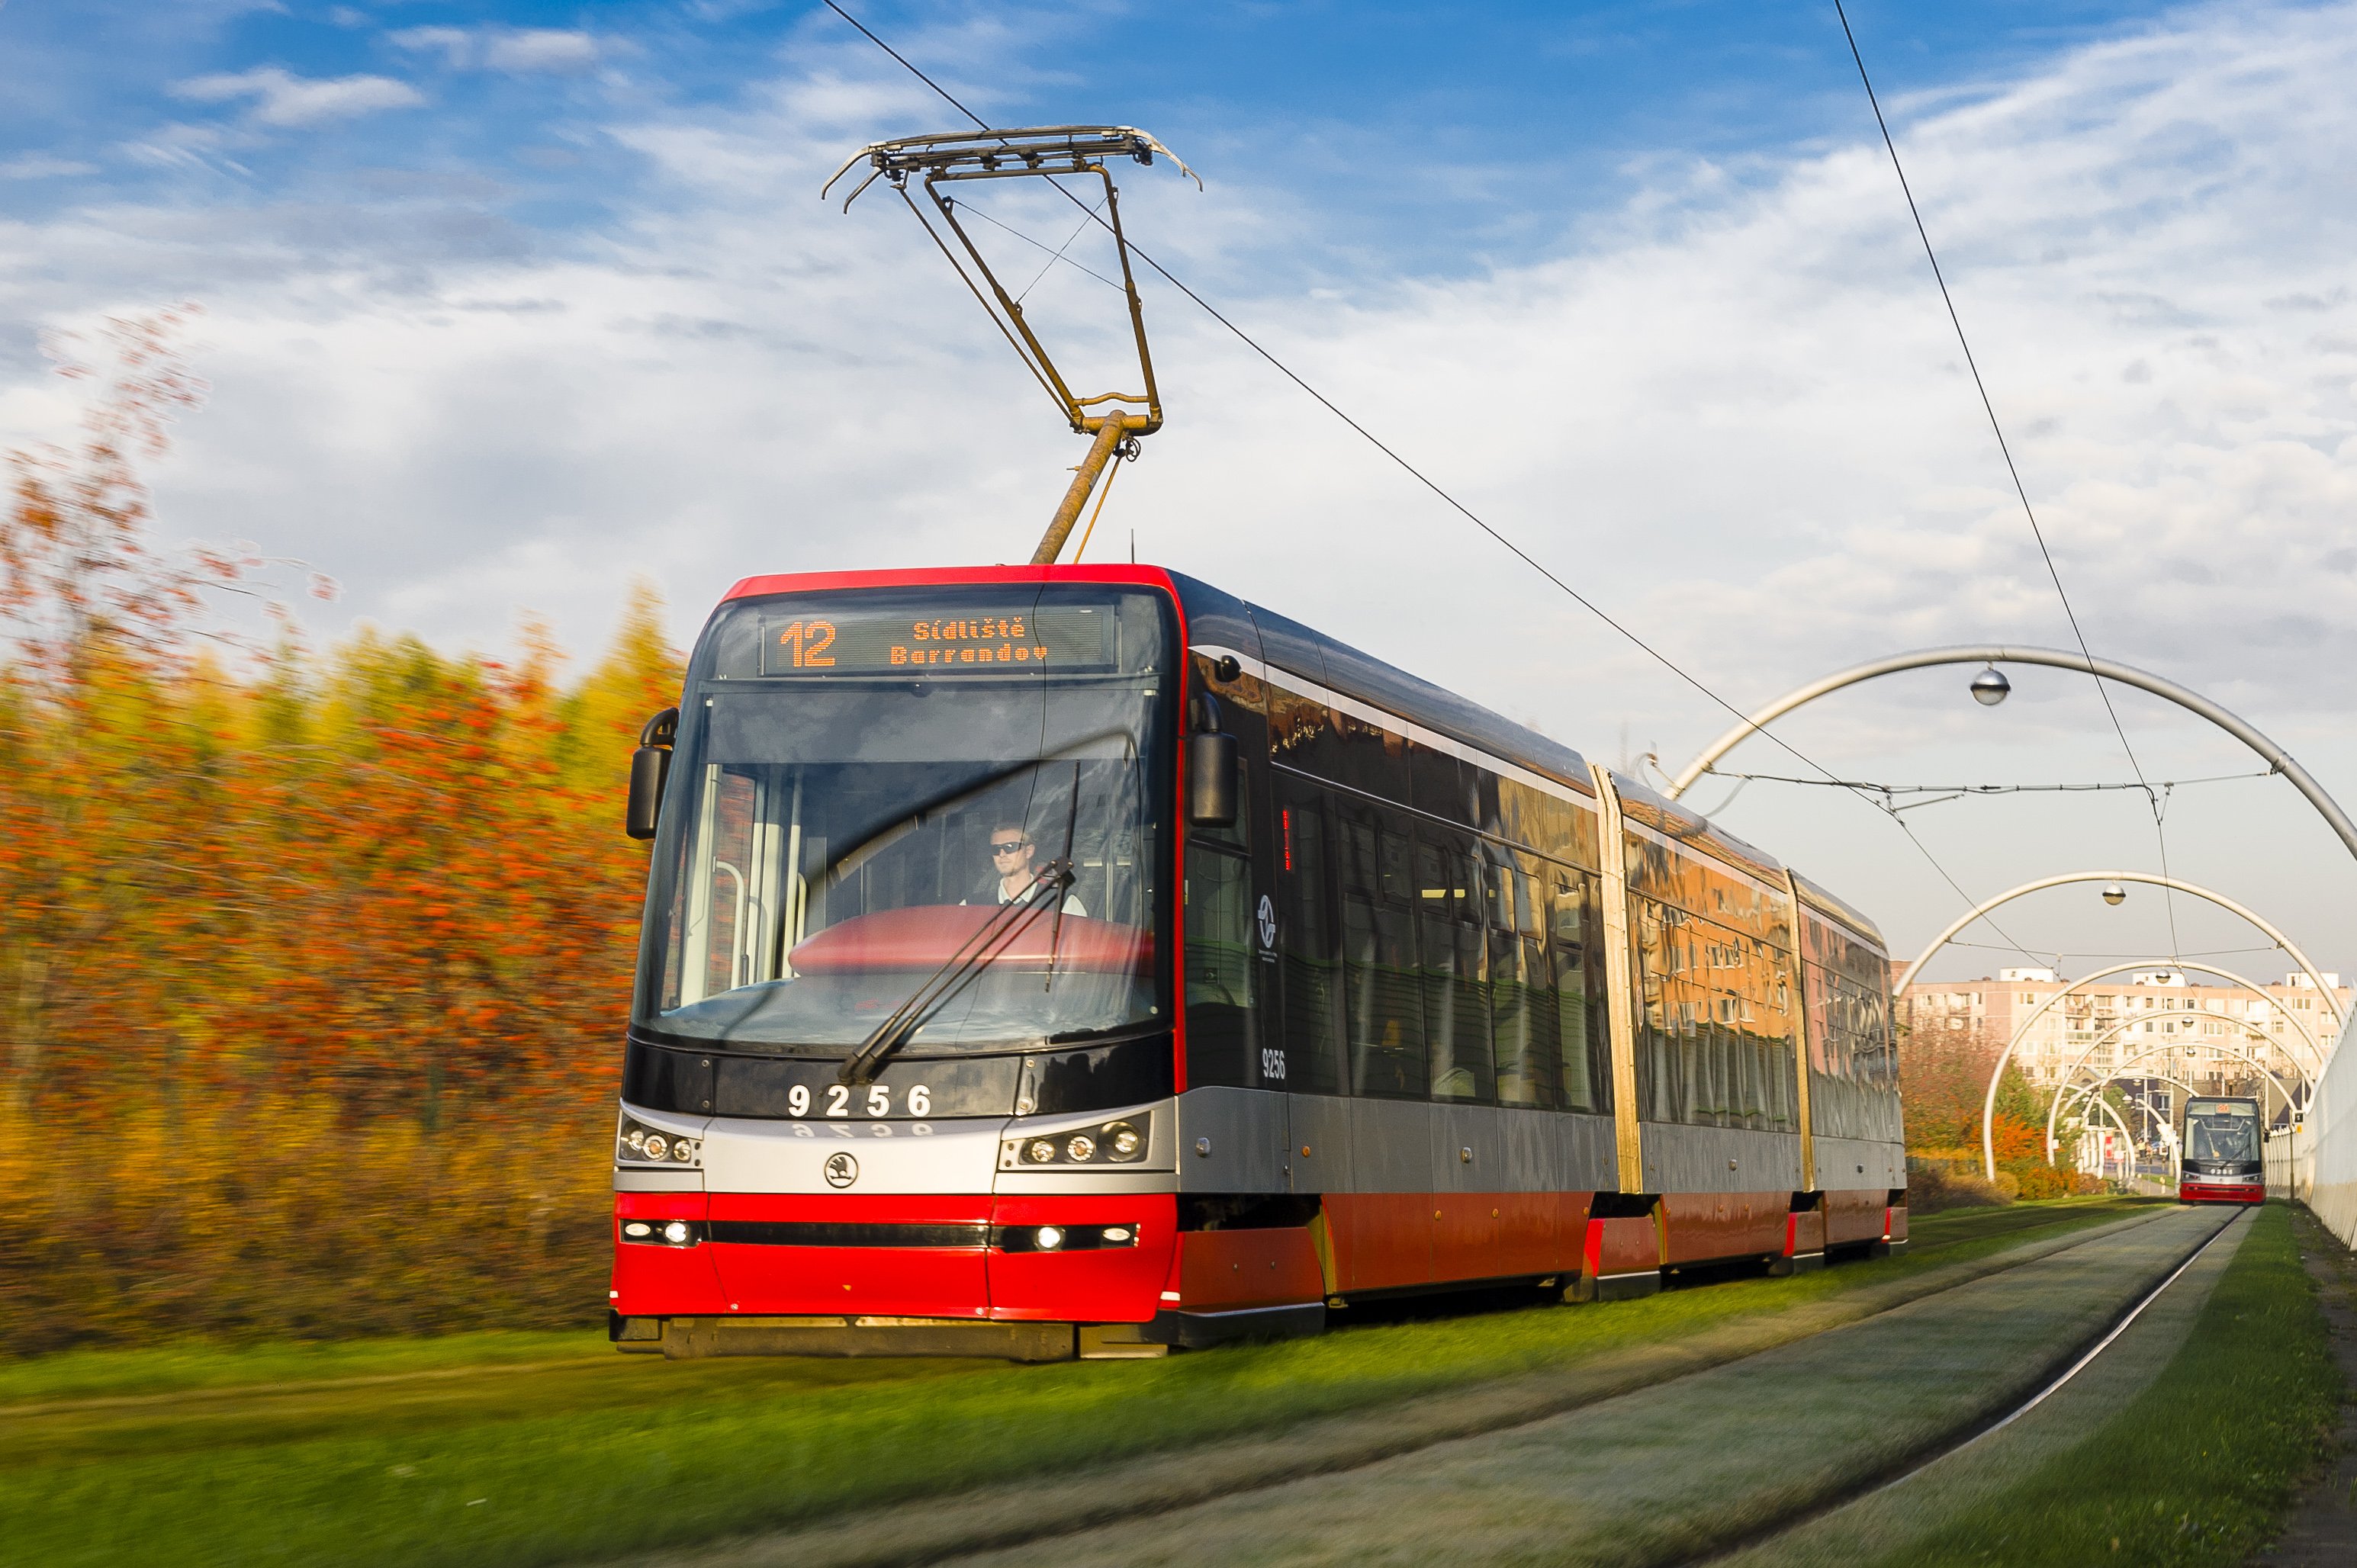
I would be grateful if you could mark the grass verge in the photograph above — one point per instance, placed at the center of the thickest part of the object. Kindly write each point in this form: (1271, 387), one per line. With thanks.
(2199, 1469)
(678, 1453)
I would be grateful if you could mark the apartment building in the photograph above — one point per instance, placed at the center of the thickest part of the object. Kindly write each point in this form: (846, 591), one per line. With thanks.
(2156, 1017)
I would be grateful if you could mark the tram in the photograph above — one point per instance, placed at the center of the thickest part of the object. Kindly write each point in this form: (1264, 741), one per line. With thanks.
(2224, 1162)
(1078, 961)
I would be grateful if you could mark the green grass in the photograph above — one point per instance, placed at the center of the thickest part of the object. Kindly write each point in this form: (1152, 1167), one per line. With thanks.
(544, 1453)
(2199, 1469)
(198, 1364)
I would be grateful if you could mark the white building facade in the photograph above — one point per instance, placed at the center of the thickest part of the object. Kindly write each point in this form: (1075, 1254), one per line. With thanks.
(2160, 1021)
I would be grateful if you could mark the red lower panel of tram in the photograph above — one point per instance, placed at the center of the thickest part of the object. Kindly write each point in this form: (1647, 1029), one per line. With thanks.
(959, 1255)
(2220, 1191)
(976, 1256)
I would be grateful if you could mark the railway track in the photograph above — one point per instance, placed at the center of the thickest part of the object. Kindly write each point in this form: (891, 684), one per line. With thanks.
(1132, 1511)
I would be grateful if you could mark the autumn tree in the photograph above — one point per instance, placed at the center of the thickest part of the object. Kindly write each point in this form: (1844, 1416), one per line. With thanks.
(95, 618)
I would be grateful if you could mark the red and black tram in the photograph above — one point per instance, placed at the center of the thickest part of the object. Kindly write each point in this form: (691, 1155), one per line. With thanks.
(1061, 961)
(2224, 1159)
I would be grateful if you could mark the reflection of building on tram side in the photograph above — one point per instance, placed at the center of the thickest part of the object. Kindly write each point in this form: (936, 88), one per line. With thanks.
(2160, 1019)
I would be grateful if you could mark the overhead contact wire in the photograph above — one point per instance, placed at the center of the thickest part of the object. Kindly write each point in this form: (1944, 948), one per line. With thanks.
(2005, 449)
(1451, 501)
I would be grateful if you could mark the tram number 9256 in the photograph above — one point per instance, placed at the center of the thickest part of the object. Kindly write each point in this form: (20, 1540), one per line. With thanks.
(875, 1099)
(1272, 1064)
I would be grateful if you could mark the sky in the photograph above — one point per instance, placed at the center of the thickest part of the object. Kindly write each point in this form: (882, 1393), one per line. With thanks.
(507, 306)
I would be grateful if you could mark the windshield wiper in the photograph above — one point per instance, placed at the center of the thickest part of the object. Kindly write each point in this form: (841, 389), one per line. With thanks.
(987, 942)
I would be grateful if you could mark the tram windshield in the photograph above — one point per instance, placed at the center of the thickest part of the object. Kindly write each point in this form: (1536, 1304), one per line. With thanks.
(2222, 1131)
(865, 780)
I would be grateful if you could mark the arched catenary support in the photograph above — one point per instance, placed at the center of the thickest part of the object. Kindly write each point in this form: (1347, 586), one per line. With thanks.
(1996, 1073)
(2127, 1138)
(2150, 878)
(2064, 1089)
(2065, 1086)
(2192, 702)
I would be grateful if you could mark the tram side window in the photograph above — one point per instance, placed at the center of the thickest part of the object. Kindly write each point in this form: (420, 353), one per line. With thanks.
(1525, 1018)
(1385, 1013)
(1574, 943)
(1853, 1084)
(1715, 1046)
(1311, 950)
(1449, 947)
(1370, 759)
(1219, 966)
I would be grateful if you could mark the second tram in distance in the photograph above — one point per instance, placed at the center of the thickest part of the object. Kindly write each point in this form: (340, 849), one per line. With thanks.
(2225, 1158)
(1061, 961)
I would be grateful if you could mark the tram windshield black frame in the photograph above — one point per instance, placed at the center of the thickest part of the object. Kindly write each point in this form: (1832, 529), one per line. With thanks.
(1078, 744)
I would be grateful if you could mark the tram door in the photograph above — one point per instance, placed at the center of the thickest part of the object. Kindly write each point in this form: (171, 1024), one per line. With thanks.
(1231, 957)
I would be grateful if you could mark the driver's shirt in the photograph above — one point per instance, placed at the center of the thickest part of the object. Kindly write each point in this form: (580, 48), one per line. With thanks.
(1072, 904)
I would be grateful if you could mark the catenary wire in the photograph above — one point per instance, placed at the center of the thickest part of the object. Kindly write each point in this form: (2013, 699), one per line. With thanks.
(2005, 449)
(1450, 500)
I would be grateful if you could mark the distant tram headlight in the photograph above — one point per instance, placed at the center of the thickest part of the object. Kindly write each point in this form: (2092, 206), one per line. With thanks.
(1039, 1151)
(657, 1146)
(677, 1233)
(683, 1149)
(1123, 1141)
(1049, 1237)
(1082, 1147)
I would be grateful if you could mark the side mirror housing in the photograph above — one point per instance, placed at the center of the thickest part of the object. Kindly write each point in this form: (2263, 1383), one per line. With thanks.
(650, 770)
(1212, 779)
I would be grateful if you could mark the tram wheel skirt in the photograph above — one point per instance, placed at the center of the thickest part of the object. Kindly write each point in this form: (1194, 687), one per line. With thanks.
(688, 1338)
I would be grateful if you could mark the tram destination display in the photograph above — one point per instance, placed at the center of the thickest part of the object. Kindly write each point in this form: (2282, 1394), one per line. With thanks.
(1059, 638)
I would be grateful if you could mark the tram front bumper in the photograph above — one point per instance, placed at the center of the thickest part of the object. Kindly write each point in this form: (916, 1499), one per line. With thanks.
(804, 1266)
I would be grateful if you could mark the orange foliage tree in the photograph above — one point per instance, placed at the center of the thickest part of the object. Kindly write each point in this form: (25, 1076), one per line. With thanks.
(281, 914)
(1944, 1075)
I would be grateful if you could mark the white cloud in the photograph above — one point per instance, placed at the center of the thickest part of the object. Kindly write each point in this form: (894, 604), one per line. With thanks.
(1735, 416)
(42, 165)
(516, 50)
(283, 100)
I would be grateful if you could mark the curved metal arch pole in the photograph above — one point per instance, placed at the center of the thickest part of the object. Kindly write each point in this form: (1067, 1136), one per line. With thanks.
(2192, 702)
(2127, 1141)
(2166, 1140)
(2150, 878)
(2159, 1126)
(1996, 1073)
(2168, 1135)
(2063, 1091)
(2063, 1085)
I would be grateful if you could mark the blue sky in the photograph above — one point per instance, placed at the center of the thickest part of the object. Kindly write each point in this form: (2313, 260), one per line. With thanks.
(1434, 139)
(505, 305)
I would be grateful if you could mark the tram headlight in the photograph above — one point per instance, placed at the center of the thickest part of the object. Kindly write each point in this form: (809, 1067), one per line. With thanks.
(1048, 1237)
(1123, 1141)
(637, 1143)
(662, 1232)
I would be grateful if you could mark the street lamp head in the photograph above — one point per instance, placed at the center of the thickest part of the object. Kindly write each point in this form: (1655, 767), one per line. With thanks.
(1990, 687)
(2114, 894)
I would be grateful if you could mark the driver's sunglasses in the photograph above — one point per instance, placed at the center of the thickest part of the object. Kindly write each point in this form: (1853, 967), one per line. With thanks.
(1012, 846)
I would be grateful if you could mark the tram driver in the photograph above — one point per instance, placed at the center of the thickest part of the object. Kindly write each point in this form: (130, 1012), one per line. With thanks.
(1014, 865)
